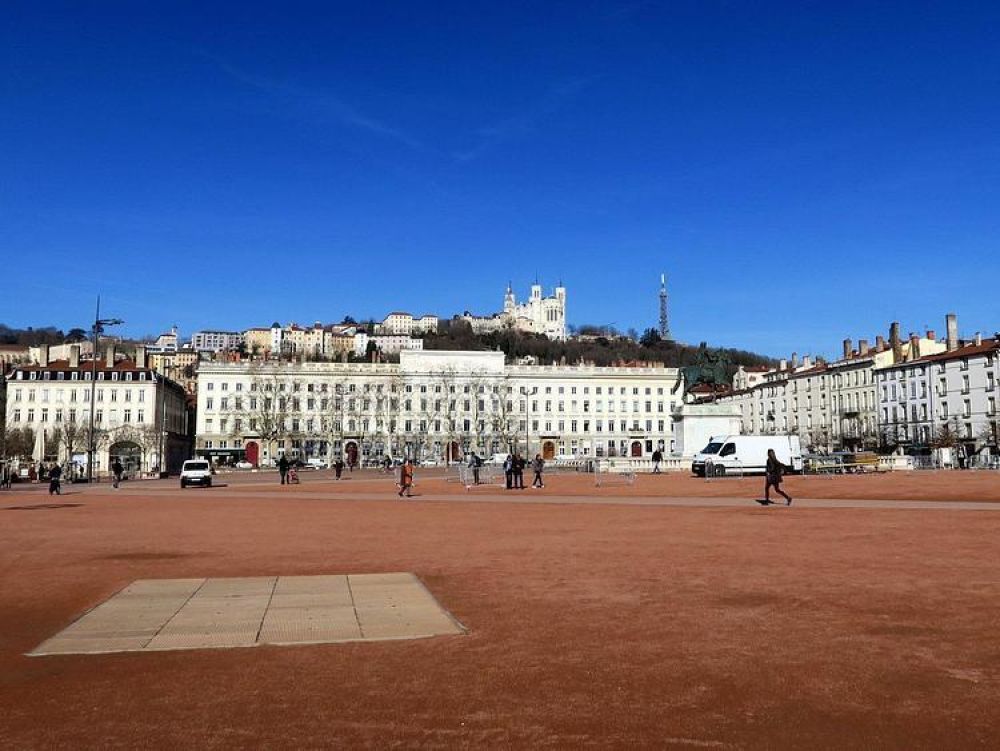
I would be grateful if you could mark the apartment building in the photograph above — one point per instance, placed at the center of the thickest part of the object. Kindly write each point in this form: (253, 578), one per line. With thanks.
(140, 417)
(432, 404)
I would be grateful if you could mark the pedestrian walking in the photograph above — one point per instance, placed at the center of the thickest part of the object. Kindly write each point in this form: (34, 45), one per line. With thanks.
(55, 487)
(406, 479)
(508, 470)
(657, 458)
(283, 469)
(474, 464)
(772, 473)
(519, 471)
(537, 465)
(117, 471)
(338, 467)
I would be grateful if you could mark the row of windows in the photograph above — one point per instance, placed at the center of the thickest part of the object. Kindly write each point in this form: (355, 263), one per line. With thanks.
(297, 425)
(424, 388)
(60, 416)
(71, 395)
(919, 412)
(903, 373)
(80, 375)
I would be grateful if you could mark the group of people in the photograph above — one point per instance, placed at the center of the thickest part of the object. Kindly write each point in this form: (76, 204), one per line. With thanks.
(513, 469)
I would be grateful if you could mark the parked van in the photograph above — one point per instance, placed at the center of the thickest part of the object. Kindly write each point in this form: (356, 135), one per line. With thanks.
(746, 454)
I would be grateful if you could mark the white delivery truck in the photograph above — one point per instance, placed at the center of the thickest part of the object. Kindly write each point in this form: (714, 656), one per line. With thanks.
(746, 454)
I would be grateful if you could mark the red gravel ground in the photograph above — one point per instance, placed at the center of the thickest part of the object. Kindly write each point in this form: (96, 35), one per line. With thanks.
(590, 625)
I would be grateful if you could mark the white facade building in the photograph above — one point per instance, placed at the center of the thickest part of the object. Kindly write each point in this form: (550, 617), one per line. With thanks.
(387, 344)
(168, 342)
(436, 404)
(216, 341)
(136, 410)
(956, 389)
(828, 405)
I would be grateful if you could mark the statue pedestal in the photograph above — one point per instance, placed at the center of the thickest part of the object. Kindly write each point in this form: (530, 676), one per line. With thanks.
(695, 424)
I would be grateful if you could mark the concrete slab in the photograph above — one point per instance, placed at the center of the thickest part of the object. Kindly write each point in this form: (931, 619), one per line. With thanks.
(157, 615)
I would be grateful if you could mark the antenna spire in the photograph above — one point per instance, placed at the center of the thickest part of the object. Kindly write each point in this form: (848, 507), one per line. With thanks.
(664, 319)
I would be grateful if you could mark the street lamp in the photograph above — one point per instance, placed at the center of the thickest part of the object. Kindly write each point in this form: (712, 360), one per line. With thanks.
(99, 324)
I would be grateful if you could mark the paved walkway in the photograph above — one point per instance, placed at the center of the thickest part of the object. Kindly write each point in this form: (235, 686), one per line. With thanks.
(526, 497)
(164, 614)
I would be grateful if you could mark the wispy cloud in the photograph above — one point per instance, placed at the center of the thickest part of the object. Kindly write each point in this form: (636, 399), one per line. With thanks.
(522, 123)
(320, 103)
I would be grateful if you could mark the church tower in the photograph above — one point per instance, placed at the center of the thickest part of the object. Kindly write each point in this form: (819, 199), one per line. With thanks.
(509, 303)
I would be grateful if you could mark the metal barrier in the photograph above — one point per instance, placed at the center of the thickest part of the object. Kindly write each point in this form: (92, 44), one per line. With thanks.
(488, 475)
(609, 472)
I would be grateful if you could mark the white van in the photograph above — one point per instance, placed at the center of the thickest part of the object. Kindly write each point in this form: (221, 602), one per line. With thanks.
(746, 454)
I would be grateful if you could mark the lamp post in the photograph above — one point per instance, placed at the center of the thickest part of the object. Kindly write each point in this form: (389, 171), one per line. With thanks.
(99, 324)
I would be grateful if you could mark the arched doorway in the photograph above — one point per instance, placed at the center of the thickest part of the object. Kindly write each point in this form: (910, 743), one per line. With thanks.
(636, 449)
(129, 454)
(548, 450)
(351, 453)
(253, 452)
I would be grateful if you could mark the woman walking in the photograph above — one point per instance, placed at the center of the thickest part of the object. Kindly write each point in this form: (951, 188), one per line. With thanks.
(406, 479)
(537, 466)
(773, 472)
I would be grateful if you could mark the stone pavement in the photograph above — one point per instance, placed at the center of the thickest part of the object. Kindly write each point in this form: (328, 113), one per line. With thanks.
(527, 496)
(163, 614)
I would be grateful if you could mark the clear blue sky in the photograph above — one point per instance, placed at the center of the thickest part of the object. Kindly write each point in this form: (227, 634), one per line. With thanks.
(802, 171)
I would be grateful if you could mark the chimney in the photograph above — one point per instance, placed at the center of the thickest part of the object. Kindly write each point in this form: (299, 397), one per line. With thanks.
(979, 339)
(895, 343)
(43, 355)
(951, 327)
(111, 356)
(795, 360)
(880, 343)
(140, 357)
(931, 335)
(74, 356)
(847, 348)
(863, 348)
(914, 346)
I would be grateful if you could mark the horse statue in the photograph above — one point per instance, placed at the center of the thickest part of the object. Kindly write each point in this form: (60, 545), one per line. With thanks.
(710, 369)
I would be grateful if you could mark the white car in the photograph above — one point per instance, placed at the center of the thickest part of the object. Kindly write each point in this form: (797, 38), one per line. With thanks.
(196, 472)
(244, 465)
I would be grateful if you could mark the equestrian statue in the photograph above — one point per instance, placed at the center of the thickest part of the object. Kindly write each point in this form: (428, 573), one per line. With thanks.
(711, 369)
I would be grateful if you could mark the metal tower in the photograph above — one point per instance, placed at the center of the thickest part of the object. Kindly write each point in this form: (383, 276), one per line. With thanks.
(664, 320)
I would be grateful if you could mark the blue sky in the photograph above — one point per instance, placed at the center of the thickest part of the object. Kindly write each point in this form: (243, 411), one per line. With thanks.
(802, 171)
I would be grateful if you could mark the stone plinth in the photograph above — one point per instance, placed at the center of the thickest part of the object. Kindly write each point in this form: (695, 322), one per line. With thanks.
(695, 424)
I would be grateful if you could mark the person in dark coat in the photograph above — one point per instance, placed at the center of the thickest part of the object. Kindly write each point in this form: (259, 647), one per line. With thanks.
(537, 466)
(54, 476)
(508, 470)
(772, 473)
(519, 472)
(338, 467)
(474, 464)
(117, 470)
(657, 458)
(283, 469)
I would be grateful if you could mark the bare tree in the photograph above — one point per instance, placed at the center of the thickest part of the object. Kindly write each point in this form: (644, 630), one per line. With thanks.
(503, 412)
(268, 410)
(72, 437)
